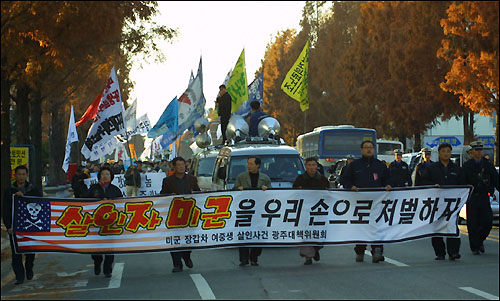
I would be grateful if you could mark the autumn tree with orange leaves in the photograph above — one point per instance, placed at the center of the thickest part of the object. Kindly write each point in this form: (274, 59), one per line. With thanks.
(55, 54)
(471, 46)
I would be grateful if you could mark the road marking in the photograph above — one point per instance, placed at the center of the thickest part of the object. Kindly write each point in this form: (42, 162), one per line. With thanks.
(479, 293)
(115, 282)
(391, 261)
(64, 274)
(202, 286)
(116, 277)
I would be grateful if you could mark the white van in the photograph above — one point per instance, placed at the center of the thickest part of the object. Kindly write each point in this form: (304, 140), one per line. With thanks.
(203, 167)
(280, 162)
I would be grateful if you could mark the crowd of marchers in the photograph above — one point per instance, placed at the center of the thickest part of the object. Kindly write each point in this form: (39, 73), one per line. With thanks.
(365, 172)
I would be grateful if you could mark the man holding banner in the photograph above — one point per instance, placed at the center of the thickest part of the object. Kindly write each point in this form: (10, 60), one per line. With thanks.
(180, 183)
(444, 172)
(21, 187)
(367, 172)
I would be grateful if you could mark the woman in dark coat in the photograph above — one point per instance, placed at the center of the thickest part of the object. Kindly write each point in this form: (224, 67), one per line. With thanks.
(104, 190)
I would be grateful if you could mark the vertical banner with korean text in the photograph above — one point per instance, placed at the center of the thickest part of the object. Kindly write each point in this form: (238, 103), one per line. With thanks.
(19, 155)
(108, 122)
(275, 217)
(295, 83)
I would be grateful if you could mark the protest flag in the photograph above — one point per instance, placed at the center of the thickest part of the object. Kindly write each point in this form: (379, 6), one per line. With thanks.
(295, 82)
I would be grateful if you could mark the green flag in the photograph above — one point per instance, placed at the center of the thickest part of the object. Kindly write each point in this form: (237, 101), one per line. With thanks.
(237, 85)
(295, 82)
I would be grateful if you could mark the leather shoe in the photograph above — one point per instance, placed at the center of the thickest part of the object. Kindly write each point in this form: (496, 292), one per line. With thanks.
(254, 263)
(308, 261)
(189, 263)
(177, 269)
(29, 274)
(19, 282)
(360, 257)
(243, 263)
(97, 269)
(481, 248)
(107, 275)
(316, 256)
(455, 256)
(439, 257)
(476, 252)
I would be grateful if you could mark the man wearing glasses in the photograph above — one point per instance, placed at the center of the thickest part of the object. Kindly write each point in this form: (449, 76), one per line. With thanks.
(367, 172)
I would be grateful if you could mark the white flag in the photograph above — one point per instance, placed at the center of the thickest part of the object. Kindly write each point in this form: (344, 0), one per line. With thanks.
(130, 119)
(72, 137)
(108, 122)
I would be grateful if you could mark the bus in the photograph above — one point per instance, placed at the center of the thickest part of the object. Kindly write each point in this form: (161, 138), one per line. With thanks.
(385, 149)
(333, 143)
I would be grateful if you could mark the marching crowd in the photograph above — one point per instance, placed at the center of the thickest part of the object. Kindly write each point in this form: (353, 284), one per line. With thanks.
(365, 172)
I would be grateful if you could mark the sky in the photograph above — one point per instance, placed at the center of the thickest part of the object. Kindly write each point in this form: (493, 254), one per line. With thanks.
(218, 31)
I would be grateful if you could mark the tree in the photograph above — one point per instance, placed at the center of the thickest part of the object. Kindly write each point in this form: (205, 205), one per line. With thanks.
(471, 45)
(63, 52)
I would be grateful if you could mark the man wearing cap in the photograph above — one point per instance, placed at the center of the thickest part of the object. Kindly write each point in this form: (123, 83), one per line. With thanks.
(480, 173)
(419, 170)
(399, 171)
(349, 159)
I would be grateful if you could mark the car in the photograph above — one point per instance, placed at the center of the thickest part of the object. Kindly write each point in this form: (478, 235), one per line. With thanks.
(281, 163)
(494, 203)
(202, 168)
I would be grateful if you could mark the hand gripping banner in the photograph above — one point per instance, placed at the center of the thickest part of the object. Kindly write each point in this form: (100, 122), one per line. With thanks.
(222, 219)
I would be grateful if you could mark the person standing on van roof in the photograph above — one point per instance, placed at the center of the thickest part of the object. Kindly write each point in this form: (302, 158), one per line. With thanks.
(367, 172)
(312, 178)
(419, 169)
(180, 183)
(255, 117)
(399, 171)
(444, 172)
(247, 180)
(223, 105)
(480, 173)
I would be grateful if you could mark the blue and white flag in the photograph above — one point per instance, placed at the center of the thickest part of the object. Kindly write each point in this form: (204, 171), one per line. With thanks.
(167, 124)
(255, 92)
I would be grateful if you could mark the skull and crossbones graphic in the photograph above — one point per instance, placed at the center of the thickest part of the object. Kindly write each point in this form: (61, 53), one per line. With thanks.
(33, 210)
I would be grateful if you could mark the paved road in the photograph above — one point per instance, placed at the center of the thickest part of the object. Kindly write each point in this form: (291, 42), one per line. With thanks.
(409, 272)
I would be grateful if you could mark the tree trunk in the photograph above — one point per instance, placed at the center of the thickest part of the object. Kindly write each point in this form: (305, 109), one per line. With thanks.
(418, 143)
(57, 144)
(5, 135)
(468, 119)
(497, 149)
(22, 114)
(402, 139)
(36, 138)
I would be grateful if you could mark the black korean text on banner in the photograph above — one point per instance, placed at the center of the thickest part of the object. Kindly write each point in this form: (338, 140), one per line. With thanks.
(285, 217)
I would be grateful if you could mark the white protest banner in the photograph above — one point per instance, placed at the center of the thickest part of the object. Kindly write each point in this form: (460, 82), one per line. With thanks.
(223, 219)
(150, 183)
(72, 137)
(108, 122)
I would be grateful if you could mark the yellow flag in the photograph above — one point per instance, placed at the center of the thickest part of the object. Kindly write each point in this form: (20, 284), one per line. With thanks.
(237, 85)
(295, 82)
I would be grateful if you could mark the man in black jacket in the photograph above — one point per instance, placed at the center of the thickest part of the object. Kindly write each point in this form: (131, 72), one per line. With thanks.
(419, 169)
(480, 173)
(399, 171)
(21, 187)
(444, 172)
(367, 172)
(180, 183)
(77, 183)
(223, 104)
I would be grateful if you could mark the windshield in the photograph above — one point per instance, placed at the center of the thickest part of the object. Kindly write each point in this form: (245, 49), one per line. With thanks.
(280, 168)
(206, 167)
(345, 142)
(387, 148)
